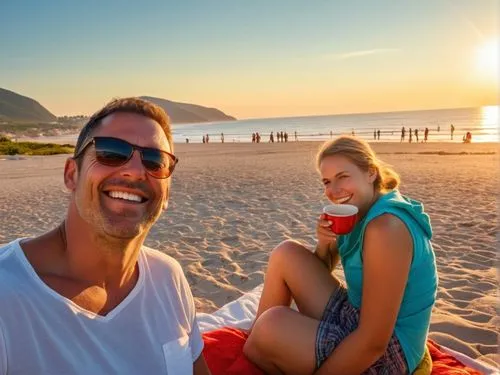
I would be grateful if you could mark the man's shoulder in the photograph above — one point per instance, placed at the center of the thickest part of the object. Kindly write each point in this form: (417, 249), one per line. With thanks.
(11, 269)
(159, 260)
(7, 249)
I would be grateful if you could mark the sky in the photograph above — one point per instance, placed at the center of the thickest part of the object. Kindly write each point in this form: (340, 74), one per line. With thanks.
(253, 59)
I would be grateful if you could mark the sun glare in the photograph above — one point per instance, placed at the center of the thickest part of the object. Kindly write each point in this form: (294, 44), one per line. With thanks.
(487, 59)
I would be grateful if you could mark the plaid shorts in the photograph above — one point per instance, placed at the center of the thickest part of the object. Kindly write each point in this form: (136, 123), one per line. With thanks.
(340, 318)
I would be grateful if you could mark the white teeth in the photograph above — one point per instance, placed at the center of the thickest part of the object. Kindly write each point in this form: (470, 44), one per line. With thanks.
(126, 196)
(342, 200)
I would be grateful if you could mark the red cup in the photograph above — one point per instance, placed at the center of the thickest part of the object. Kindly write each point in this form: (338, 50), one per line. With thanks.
(342, 216)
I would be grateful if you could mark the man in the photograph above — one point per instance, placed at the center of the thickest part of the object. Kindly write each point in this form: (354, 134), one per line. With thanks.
(87, 297)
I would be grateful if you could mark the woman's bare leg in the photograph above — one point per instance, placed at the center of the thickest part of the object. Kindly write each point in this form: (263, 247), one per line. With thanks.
(283, 341)
(295, 272)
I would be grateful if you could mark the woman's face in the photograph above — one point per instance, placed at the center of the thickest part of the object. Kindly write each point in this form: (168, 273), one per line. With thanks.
(345, 182)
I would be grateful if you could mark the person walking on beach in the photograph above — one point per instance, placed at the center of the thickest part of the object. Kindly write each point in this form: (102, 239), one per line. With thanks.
(207, 138)
(253, 137)
(203, 139)
(374, 134)
(452, 130)
(87, 297)
(378, 134)
(410, 135)
(403, 130)
(296, 137)
(271, 137)
(222, 137)
(426, 134)
(286, 136)
(416, 134)
(331, 134)
(377, 322)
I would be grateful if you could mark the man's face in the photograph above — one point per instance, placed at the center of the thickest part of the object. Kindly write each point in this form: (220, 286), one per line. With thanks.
(106, 197)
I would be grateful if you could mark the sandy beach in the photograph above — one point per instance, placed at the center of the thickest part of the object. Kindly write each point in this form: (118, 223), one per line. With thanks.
(232, 203)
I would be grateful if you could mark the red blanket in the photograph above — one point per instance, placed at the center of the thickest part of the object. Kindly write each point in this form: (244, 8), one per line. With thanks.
(224, 355)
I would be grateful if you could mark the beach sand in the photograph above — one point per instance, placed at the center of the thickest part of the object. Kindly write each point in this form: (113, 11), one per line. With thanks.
(232, 203)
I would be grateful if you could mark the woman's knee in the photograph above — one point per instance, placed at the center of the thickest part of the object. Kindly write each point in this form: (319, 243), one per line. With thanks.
(287, 251)
(262, 339)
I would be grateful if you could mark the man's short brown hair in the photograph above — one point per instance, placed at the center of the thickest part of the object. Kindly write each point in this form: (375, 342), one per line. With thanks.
(127, 105)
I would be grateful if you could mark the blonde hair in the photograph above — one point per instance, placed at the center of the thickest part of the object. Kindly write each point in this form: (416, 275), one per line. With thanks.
(361, 154)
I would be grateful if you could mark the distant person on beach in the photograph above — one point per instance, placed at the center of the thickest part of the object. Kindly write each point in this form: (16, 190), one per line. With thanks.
(204, 140)
(452, 130)
(426, 134)
(253, 137)
(87, 297)
(286, 136)
(374, 134)
(467, 138)
(439, 128)
(378, 134)
(257, 137)
(282, 136)
(410, 135)
(403, 130)
(222, 137)
(296, 137)
(352, 133)
(187, 140)
(271, 137)
(331, 134)
(377, 321)
(416, 134)
(207, 138)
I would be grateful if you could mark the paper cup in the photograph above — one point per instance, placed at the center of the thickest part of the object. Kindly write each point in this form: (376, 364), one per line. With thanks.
(342, 216)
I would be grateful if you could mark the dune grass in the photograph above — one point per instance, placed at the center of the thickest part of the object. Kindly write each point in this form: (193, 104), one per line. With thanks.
(7, 147)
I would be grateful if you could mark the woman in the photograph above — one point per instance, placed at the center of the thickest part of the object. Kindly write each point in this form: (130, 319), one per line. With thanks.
(378, 324)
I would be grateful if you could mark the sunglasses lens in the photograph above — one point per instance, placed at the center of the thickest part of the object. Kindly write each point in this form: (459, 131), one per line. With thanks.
(115, 152)
(112, 152)
(159, 164)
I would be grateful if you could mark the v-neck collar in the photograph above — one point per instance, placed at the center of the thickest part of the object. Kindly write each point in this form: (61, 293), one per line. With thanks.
(92, 315)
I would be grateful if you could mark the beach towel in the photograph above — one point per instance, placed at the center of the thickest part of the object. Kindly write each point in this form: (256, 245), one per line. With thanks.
(224, 355)
(224, 334)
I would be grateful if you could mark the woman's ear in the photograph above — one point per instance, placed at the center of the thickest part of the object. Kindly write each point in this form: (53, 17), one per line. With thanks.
(372, 174)
(70, 174)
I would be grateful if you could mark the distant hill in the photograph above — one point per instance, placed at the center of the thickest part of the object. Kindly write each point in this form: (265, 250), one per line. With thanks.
(15, 107)
(185, 112)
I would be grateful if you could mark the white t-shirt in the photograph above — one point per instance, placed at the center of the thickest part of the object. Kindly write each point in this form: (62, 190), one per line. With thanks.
(152, 331)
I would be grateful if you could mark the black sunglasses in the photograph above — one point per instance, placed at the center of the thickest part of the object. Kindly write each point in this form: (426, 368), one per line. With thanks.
(116, 152)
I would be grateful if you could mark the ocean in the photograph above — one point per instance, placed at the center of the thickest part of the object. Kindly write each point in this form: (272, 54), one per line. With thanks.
(482, 122)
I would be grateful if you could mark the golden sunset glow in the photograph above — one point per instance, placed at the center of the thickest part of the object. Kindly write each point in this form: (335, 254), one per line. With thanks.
(487, 59)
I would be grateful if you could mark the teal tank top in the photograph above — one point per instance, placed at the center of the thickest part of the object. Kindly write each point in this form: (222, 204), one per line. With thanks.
(413, 320)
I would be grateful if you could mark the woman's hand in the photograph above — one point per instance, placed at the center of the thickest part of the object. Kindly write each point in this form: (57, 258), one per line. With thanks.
(324, 233)
(326, 248)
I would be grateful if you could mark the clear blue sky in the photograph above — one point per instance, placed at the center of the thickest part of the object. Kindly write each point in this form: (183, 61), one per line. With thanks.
(253, 58)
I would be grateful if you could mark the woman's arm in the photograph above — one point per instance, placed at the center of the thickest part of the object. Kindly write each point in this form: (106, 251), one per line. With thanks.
(387, 255)
(326, 249)
(328, 254)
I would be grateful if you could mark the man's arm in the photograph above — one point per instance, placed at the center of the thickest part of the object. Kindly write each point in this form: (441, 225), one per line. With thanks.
(200, 366)
(387, 255)
(3, 353)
